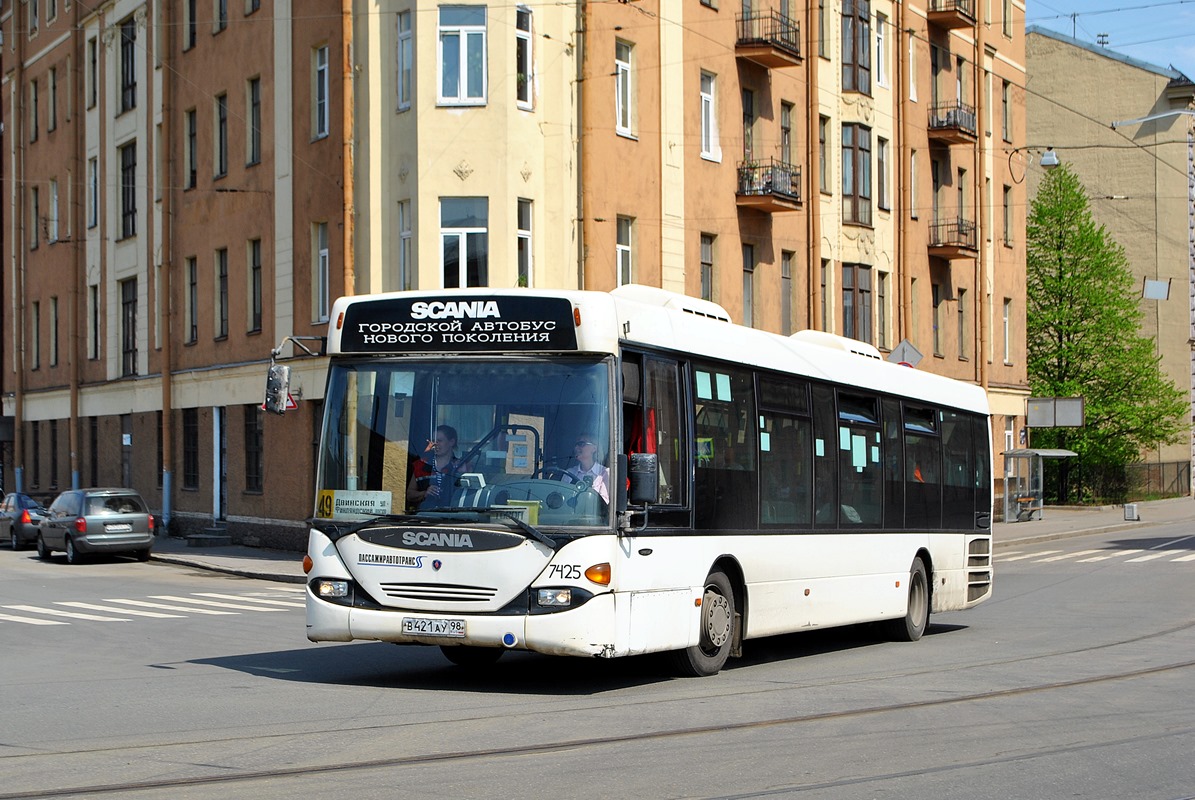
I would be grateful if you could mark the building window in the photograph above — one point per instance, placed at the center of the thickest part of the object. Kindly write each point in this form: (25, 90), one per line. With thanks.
(221, 154)
(192, 24)
(464, 241)
(856, 302)
(34, 217)
(913, 68)
(856, 174)
(936, 298)
(254, 448)
(93, 329)
(93, 71)
(882, 198)
(1007, 334)
(823, 296)
(36, 452)
(881, 63)
(319, 106)
(128, 65)
(35, 335)
(624, 254)
(406, 60)
(405, 264)
(856, 46)
(1006, 204)
(221, 15)
(882, 309)
(524, 76)
(128, 327)
(786, 133)
(707, 266)
(913, 184)
(253, 156)
(192, 320)
(34, 114)
(1006, 24)
(191, 151)
(222, 293)
(320, 265)
(523, 243)
(52, 214)
(748, 284)
(709, 118)
(962, 324)
(823, 31)
(190, 448)
(53, 331)
(623, 118)
(462, 55)
(128, 190)
(786, 292)
(53, 454)
(52, 122)
(1006, 110)
(93, 192)
(255, 290)
(823, 177)
(748, 125)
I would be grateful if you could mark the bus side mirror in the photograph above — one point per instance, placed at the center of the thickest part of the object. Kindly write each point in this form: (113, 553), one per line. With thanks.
(277, 388)
(644, 475)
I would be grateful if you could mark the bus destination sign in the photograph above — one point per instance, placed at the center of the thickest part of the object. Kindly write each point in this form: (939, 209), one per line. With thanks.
(469, 323)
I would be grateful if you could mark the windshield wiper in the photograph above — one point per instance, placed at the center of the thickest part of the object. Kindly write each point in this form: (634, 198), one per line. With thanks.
(495, 513)
(334, 530)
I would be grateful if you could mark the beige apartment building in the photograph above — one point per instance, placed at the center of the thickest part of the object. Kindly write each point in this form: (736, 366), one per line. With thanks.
(1126, 127)
(191, 181)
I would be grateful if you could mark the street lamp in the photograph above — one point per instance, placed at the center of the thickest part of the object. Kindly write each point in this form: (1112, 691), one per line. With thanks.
(1182, 112)
(1048, 159)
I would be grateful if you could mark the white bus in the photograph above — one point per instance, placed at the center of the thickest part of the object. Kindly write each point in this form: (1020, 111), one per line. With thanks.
(631, 472)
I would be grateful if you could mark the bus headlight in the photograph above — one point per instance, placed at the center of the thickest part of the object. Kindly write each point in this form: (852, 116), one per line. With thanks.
(557, 598)
(330, 588)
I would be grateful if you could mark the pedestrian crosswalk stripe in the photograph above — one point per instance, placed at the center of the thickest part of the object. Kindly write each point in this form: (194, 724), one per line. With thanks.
(219, 596)
(1066, 555)
(30, 620)
(176, 599)
(1148, 557)
(144, 604)
(1031, 555)
(94, 607)
(1185, 558)
(54, 612)
(1117, 554)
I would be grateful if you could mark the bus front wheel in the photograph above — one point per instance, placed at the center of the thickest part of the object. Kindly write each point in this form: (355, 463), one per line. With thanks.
(916, 618)
(717, 630)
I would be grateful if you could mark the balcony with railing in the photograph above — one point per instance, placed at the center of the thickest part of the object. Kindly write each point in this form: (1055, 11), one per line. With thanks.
(770, 39)
(953, 238)
(771, 186)
(952, 122)
(952, 13)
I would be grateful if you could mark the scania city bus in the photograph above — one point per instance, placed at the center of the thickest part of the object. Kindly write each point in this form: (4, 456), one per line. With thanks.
(631, 472)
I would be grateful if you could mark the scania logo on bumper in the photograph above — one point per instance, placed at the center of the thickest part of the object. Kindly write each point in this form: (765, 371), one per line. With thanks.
(436, 564)
(459, 541)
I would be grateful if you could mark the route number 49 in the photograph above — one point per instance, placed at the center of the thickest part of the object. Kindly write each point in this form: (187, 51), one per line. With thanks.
(325, 505)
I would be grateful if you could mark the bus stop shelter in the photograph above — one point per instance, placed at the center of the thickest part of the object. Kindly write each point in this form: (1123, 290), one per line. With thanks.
(1023, 476)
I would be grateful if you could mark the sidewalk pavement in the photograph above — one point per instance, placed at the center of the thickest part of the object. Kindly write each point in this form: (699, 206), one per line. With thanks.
(1057, 522)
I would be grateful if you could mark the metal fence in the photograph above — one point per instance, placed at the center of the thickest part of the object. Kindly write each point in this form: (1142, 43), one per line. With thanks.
(1069, 482)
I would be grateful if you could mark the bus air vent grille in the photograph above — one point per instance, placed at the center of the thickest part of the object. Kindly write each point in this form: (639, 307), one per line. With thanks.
(444, 592)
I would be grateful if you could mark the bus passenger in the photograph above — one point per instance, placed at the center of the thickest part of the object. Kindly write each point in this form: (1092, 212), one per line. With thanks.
(436, 472)
(588, 469)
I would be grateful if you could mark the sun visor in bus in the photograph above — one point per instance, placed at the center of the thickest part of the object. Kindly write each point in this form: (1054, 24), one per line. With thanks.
(458, 323)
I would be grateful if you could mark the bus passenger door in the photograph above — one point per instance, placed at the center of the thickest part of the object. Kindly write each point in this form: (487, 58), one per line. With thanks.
(652, 424)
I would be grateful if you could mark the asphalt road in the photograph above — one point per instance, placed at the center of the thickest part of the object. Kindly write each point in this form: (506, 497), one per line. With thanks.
(1076, 680)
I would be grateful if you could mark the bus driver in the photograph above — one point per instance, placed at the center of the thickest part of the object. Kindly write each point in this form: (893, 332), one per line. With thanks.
(588, 469)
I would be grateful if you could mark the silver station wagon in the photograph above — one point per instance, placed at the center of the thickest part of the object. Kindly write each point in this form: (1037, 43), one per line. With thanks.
(81, 522)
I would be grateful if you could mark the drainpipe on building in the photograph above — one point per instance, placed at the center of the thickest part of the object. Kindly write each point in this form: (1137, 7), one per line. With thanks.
(906, 179)
(901, 264)
(346, 69)
(579, 136)
(73, 354)
(983, 266)
(18, 244)
(812, 120)
(167, 433)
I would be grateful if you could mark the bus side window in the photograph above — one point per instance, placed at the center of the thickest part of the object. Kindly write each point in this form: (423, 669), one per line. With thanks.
(923, 474)
(661, 425)
(894, 463)
(825, 458)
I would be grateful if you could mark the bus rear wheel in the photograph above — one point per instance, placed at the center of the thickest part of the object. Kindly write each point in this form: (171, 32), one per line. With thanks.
(470, 657)
(717, 631)
(916, 619)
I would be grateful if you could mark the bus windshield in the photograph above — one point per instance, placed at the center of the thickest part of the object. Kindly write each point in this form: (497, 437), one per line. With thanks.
(530, 437)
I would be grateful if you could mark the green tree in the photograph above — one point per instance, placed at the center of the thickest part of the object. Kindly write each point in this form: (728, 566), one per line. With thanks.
(1084, 336)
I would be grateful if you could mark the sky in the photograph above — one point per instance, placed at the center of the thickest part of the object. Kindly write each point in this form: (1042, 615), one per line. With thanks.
(1160, 32)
